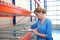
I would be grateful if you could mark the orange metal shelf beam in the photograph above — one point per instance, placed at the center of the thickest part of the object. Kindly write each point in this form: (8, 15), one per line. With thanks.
(27, 36)
(12, 10)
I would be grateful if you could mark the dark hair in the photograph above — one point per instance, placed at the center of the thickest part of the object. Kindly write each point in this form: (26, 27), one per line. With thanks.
(44, 11)
(39, 10)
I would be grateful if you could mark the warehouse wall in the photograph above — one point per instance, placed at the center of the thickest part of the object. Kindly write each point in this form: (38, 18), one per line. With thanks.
(5, 22)
(23, 3)
(53, 12)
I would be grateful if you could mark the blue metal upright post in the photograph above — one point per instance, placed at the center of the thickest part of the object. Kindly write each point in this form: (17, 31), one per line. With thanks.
(31, 9)
(35, 8)
(14, 20)
(45, 4)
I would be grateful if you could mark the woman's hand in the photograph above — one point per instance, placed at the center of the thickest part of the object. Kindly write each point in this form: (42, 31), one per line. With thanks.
(27, 28)
(35, 31)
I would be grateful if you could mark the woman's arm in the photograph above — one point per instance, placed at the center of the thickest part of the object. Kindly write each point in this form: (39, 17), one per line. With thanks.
(39, 34)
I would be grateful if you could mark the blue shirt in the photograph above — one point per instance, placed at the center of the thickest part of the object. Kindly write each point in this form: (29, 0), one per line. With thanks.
(45, 28)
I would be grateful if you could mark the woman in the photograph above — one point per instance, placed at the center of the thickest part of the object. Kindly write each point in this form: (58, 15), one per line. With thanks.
(43, 27)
